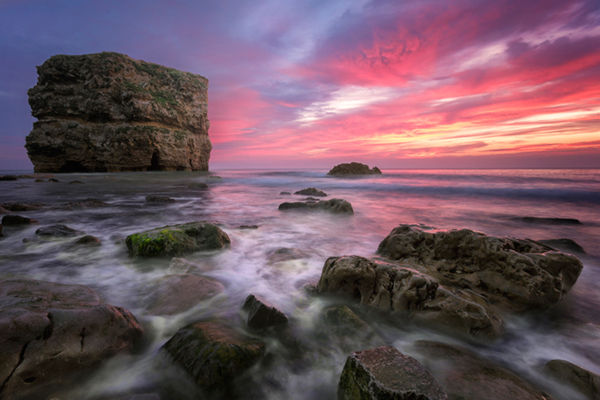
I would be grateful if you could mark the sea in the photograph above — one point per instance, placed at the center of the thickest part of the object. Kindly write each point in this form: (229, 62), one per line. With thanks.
(493, 201)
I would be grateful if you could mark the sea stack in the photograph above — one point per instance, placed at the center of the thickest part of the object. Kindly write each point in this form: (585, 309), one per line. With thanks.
(107, 112)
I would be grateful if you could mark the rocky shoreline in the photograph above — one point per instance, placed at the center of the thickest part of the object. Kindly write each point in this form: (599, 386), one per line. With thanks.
(461, 283)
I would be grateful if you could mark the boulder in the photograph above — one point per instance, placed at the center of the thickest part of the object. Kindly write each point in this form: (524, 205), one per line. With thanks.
(407, 294)
(58, 231)
(106, 112)
(354, 168)
(17, 220)
(214, 355)
(262, 315)
(338, 206)
(521, 274)
(8, 178)
(386, 373)
(159, 199)
(53, 179)
(86, 241)
(580, 379)
(311, 192)
(50, 331)
(175, 294)
(85, 203)
(248, 227)
(39, 180)
(76, 182)
(467, 376)
(177, 240)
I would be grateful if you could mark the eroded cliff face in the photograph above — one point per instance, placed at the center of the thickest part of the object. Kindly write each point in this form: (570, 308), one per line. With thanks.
(106, 112)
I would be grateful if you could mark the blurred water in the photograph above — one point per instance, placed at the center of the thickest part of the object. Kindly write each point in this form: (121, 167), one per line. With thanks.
(486, 200)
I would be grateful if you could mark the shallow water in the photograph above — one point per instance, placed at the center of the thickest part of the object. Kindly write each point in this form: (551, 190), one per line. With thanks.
(485, 200)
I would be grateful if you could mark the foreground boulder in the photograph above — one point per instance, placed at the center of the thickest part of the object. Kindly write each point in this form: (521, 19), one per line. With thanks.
(49, 331)
(354, 168)
(177, 240)
(214, 355)
(407, 294)
(338, 206)
(385, 373)
(517, 273)
(58, 231)
(467, 376)
(108, 113)
(580, 379)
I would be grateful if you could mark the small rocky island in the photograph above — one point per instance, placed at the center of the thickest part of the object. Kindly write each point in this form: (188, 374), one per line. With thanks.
(107, 112)
(354, 168)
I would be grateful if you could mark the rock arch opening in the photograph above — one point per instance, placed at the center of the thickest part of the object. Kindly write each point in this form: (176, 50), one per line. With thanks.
(154, 162)
(73, 166)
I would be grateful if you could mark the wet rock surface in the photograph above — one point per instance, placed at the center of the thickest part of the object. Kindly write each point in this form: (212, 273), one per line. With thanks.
(214, 355)
(177, 293)
(177, 240)
(262, 315)
(17, 220)
(465, 375)
(311, 192)
(354, 168)
(58, 231)
(580, 379)
(50, 331)
(107, 112)
(340, 206)
(517, 273)
(386, 373)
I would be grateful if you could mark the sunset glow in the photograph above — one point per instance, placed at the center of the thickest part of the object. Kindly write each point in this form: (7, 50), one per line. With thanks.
(497, 83)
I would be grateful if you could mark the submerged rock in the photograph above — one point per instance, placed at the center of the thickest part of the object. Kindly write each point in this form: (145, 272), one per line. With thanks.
(580, 379)
(58, 231)
(50, 331)
(106, 112)
(214, 355)
(564, 244)
(182, 266)
(340, 206)
(311, 192)
(354, 168)
(408, 294)
(197, 185)
(177, 240)
(285, 254)
(17, 220)
(159, 199)
(21, 206)
(85, 203)
(86, 241)
(178, 293)
(262, 315)
(551, 221)
(519, 273)
(386, 373)
(465, 375)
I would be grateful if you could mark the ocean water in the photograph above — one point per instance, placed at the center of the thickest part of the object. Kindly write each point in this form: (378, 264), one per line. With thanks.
(490, 201)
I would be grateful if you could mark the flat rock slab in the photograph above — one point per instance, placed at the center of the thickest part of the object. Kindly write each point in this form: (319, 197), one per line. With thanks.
(177, 240)
(337, 206)
(311, 192)
(354, 168)
(178, 293)
(262, 315)
(386, 373)
(17, 220)
(582, 380)
(214, 354)
(465, 375)
(58, 231)
(49, 331)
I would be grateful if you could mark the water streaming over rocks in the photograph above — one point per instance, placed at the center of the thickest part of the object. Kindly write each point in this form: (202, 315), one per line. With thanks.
(305, 360)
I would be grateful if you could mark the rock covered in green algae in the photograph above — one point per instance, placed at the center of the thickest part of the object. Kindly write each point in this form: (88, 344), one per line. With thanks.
(386, 373)
(213, 354)
(177, 240)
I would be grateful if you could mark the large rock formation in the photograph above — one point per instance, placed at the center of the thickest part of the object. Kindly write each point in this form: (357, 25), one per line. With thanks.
(106, 112)
(354, 168)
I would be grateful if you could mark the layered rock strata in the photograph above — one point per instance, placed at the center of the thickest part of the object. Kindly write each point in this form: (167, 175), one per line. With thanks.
(106, 112)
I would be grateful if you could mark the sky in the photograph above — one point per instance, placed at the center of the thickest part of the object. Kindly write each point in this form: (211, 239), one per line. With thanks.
(310, 84)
